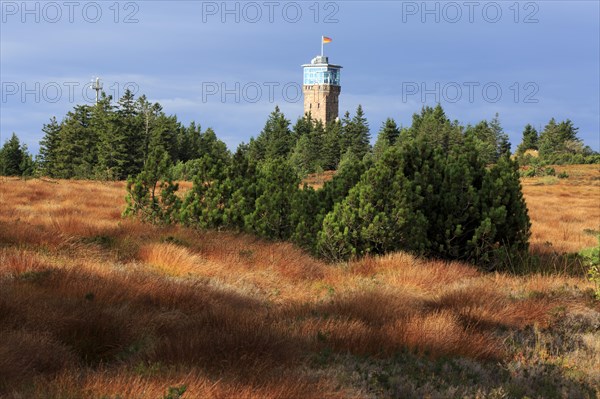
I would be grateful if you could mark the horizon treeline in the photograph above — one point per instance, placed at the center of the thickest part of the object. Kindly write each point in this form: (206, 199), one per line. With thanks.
(436, 188)
(111, 141)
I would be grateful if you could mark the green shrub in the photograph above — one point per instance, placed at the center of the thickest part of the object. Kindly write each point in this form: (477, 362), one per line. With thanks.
(591, 259)
(547, 181)
(440, 200)
(175, 392)
(594, 276)
(531, 172)
(538, 168)
(151, 195)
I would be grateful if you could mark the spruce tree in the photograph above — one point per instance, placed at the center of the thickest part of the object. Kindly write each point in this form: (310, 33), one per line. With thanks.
(13, 157)
(356, 134)
(558, 139)
(436, 129)
(49, 146)
(188, 141)
(331, 146)
(345, 136)
(387, 137)
(28, 165)
(77, 154)
(568, 131)
(501, 138)
(389, 132)
(129, 139)
(529, 141)
(164, 133)
(303, 126)
(103, 122)
(301, 157)
(146, 115)
(306, 156)
(215, 152)
(276, 139)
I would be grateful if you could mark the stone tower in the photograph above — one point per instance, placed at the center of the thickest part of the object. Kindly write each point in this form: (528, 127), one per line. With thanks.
(321, 89)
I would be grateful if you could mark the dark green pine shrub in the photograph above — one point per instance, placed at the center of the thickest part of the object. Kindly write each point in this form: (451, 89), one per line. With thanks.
(377, 216)
(277, 184)
(436, 200)
(151, 195)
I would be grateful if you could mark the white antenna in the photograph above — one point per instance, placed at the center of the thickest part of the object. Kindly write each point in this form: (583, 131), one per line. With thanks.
(96, 86)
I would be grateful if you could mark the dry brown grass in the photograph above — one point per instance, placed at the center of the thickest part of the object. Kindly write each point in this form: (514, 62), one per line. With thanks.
(565, 216)
(566, 213)
(317, 180)
(92, 305)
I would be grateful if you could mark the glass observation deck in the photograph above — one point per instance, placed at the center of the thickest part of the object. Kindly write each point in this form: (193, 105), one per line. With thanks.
(321, 75)
(321, 72)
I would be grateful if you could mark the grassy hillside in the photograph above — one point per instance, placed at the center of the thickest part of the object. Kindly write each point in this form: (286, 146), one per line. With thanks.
(92, 305)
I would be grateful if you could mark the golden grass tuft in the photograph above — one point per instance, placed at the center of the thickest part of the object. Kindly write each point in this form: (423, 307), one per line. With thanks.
(441, 334)
(170, 259)
(14, 262)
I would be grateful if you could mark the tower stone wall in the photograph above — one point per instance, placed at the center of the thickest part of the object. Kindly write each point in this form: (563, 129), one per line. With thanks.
(322, 101)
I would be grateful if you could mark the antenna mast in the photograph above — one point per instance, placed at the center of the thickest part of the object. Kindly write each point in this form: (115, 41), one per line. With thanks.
(96, 86)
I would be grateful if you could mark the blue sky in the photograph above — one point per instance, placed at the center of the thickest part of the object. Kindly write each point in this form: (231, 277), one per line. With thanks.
(220, 63)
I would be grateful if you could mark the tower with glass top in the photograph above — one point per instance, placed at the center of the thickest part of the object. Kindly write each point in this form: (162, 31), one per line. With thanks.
(321, 89)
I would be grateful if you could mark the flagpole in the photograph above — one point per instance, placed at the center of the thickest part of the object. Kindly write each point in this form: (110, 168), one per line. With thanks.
(322, 46)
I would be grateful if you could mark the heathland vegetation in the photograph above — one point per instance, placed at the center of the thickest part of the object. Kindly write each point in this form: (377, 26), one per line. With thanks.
(93, 305)
(304, 264)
